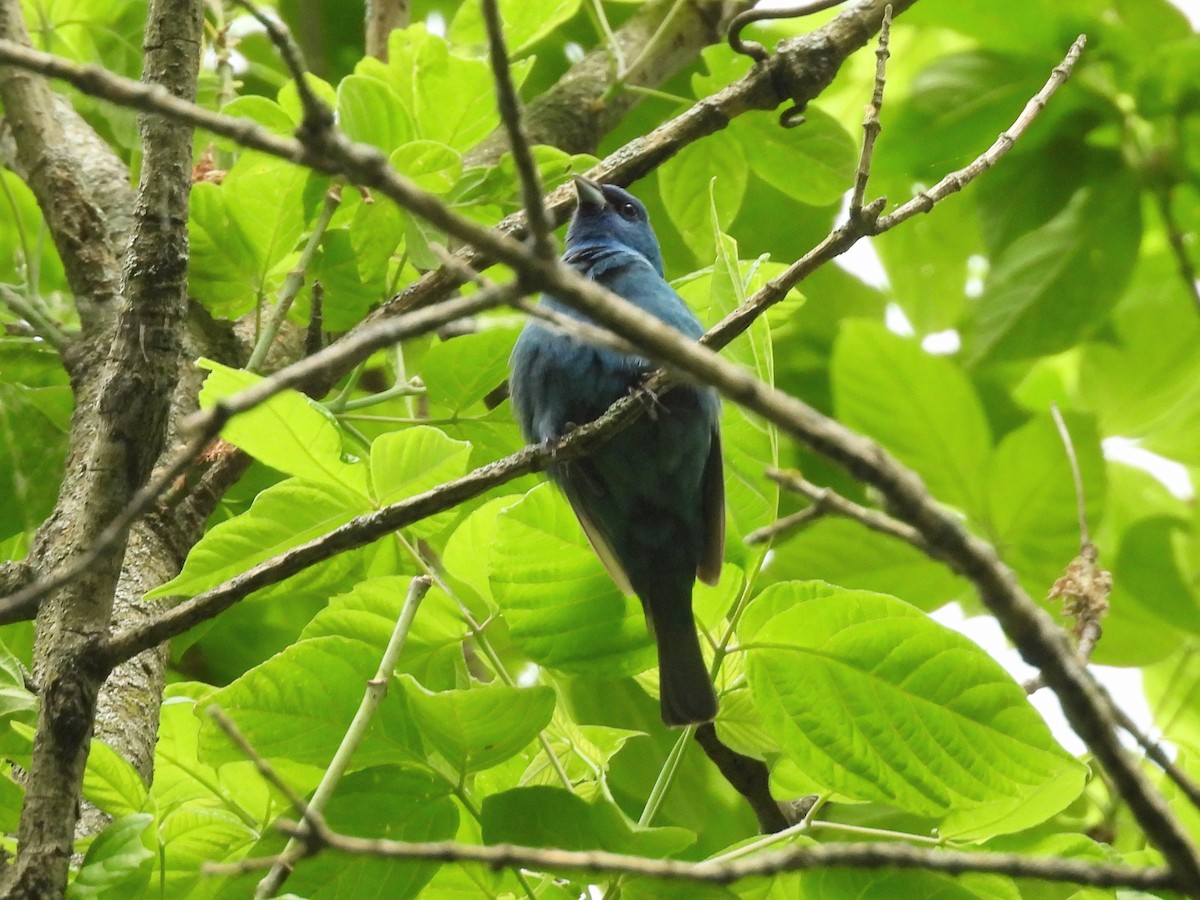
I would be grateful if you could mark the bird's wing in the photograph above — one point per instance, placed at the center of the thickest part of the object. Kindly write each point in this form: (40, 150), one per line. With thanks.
(712, 498)
(573, 483)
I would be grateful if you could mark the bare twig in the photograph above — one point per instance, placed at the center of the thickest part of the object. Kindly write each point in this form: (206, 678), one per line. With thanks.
(956, 181)
(294, 281)
(826, 501)
(299, 844)
(832, 855)
(871, 125)
(1076, 475)
(510, 114)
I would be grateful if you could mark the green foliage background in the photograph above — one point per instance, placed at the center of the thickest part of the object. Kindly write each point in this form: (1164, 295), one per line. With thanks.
(1055, 273)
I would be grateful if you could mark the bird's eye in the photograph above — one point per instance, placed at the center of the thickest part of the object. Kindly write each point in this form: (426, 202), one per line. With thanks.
(628, 211)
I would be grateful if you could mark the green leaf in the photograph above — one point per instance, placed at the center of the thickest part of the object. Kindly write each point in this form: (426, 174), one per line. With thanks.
(552, 817)
(920, 407)
(261, 110)
(349, 291)
(469, 548)
(1056, 284)
(684, 185)
(16, 700)
(195, 835)
(478, 728)
(111, 783)
(845, 553)
(1154, 565)
(461, 372)
(525, 22)
(430, 164)
(562, 609)
(283, 516)
(297, 705)
(813, 163)
(223, 271)
(118, 863)
(288, 432)
(413, 460)
(955, 108)
(369, 111)
(877, 702)
(264, 199)
(368, 613)
(393, 802)
(33, 450)
(1146, 383)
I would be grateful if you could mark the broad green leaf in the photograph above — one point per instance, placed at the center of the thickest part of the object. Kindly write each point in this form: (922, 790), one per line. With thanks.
(289, 98)
(955, 108)
(877, 702)
(15, 698)
(886, 884)
(469, 548)
(368, 613)
(375, 234)
(813, 163)
(195, 835)
(1032, 510)
(369, 111)
(562, 608)
(1146, 383)
(264, 198)
(12, 799)
(845, 553)
(553, 817)
(117, 864)
(443, 93)
(19, 208)
(296, 706)
(394, 802)
(927, 262)
(1054, 285)
(111, 783)
(525, 22)
(413, 460)
(684, 185)
(1156, 567)
(432, 165)
(223, 271)
(349, 292)
(1172, 686)
(481, 727)
(283, 516)
(288, 432)
(920, 407)
(261, 110)
(461, 372)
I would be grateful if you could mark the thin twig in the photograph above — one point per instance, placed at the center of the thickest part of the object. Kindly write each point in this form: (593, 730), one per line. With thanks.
(956, 181)
(826, 501)
(871, 124)
(797, 859)
(299, 845)
(509, 106)
(294, 281)
(1076, 476)
(41, 324)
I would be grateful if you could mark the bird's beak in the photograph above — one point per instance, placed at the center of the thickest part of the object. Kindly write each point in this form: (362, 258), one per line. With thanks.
(589, 193)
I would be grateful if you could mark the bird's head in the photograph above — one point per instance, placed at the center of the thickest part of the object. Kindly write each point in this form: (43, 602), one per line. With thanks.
(611, 216)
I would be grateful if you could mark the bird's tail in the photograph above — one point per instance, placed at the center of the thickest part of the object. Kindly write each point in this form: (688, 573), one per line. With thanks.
(684, 688)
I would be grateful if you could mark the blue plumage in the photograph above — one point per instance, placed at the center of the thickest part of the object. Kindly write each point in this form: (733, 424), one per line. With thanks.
(651, 500)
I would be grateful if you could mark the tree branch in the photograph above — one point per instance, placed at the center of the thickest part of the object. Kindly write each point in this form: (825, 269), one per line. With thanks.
(798, 859)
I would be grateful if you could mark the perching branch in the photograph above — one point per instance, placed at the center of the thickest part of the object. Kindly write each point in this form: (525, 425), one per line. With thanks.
(826, 501)
(797, 859)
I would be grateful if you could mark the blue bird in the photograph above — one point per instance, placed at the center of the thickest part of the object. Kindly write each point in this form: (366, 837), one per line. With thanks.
(652, 499)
